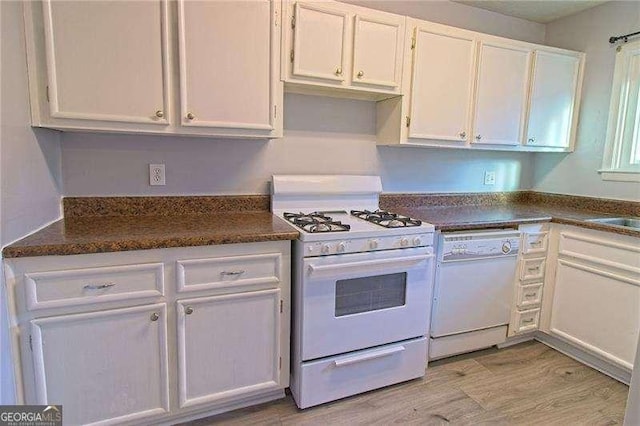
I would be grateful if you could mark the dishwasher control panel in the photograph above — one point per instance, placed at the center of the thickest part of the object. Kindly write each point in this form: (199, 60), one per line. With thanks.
(476, 245)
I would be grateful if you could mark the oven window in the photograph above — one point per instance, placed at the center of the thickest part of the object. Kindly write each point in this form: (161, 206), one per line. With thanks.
(366, 294)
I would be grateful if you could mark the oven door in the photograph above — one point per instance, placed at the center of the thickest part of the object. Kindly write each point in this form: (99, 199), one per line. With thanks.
(356, 301)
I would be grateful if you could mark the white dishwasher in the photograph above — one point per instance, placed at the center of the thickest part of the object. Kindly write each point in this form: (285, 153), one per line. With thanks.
(473, 292)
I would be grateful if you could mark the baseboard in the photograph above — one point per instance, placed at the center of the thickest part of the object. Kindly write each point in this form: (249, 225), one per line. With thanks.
(605, 367)
(516, 340)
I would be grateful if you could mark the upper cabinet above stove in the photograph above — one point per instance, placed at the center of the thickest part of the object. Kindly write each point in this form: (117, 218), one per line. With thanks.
(464, 89)
(128, 67)
(341, 50)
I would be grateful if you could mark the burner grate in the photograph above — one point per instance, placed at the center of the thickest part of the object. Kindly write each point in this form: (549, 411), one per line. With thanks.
(386, 219)
(316, 222)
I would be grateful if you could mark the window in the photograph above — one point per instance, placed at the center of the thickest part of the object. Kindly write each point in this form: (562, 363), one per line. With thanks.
(622, 151)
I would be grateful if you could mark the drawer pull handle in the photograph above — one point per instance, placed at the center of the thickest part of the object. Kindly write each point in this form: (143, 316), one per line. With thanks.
(529, 295)
(98, 286)
(533, 268)
(155, 316)
(536, 243)
(527, 321)
(366, 357)
(232, 273)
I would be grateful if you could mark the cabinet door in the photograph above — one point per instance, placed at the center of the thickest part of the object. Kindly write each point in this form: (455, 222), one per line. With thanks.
(225, 53)
(598, 310)
(553, 95)
(107, 366)
(107, 60)
(501, 94)
(377, 50)
(441, 89)
(228, 346)
(320, 42)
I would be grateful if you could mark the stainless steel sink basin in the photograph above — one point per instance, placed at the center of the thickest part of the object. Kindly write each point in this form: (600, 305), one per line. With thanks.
(627, 222)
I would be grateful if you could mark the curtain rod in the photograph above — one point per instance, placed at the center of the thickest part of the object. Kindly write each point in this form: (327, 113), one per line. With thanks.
(622, 37)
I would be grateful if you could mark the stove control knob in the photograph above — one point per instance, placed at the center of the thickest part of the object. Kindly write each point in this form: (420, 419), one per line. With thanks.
(404, 242)
(373, 244)
(325, 249)
(341, 247)
(417, 241)
(506, 247)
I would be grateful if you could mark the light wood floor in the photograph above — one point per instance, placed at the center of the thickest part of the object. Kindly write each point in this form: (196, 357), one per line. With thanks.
(525, 384)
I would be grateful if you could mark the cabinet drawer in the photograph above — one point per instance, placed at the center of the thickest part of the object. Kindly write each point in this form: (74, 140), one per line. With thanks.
(72, 287)
(607, 250)
(529, 295)
(235, 271)
(534, 242)
(336, 377)
(527, 320)
(532, 269)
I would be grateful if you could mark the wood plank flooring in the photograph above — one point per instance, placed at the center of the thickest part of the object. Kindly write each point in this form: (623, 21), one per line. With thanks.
(529, 383)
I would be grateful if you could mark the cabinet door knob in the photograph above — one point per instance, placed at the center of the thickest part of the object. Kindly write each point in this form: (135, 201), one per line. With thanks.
(159, 113)
(462, 135)
(188, 310)
(155, 316)
(532, 140)
(190, 116)
(360, 74)
(339, 71)
(478, 137)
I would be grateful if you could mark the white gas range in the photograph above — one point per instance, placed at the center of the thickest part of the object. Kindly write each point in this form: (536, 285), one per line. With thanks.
(362, 287)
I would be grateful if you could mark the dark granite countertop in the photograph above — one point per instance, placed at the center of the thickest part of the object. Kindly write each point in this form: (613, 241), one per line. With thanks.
(466, 217)
(97, 234)
(108, 224)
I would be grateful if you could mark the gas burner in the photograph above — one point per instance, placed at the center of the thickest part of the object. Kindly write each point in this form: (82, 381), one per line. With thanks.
(316, 222)
(386, 219)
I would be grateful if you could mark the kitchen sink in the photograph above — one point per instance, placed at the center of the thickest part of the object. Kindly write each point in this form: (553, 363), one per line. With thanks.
(627, 222)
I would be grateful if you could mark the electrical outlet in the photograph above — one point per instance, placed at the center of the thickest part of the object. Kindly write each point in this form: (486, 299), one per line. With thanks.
(156, 174)
(489, 178)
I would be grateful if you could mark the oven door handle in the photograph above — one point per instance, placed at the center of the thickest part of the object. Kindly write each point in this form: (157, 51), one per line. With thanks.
(399, 261)
(366, 357)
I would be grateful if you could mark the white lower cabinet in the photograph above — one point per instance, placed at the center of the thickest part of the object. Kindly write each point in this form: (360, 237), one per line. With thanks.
(156, 357)
(594, 296)
(104, 367)
(529, 280)
(228, 346)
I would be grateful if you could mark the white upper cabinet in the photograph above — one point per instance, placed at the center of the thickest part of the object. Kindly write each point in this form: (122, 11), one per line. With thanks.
(441, 86)
(377, 48)
(464, 89)
(501, 94)
(552, 108)
(107, 61)
(110, 66)
(225, 51)
(320, 42)
(329, 45)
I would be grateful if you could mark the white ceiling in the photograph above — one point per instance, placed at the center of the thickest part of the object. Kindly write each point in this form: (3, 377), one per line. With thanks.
(534, 10)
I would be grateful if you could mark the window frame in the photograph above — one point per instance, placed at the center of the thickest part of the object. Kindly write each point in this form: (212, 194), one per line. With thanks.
(615, 144)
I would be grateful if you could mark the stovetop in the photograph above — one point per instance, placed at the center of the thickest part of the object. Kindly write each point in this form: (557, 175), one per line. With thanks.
(340, 224)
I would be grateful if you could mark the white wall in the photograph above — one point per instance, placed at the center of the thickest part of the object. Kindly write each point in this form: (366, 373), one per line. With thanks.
(29, 163)
(322, 135)
(589, 32)
(30, 167)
